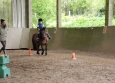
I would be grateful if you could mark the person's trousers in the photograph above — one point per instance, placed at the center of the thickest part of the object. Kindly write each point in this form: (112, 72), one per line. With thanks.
(3, 47)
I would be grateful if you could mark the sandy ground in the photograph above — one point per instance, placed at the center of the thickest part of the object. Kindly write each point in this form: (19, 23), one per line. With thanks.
(58, 67)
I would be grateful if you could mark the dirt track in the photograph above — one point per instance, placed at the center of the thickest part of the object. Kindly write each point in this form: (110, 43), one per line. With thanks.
(58, 67)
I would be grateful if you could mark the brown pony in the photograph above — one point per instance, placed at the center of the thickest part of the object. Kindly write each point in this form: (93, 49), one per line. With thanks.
(43, 41)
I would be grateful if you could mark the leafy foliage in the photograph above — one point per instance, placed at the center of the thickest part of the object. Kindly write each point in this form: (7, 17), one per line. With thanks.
(45, 9)
(75, 13)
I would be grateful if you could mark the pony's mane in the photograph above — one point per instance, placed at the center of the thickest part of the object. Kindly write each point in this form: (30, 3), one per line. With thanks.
(43, 29)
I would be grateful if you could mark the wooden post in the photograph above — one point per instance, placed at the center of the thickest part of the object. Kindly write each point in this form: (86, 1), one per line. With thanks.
(59, 14)
(28, 13)
(109, 13)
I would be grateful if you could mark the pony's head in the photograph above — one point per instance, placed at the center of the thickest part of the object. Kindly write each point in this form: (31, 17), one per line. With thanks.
(42, 33)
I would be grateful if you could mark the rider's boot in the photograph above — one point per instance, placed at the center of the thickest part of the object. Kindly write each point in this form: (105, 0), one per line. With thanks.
(37, 38)
(48, 36)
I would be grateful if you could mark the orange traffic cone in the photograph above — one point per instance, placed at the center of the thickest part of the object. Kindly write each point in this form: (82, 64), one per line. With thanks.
(73, 56)
(30, 52)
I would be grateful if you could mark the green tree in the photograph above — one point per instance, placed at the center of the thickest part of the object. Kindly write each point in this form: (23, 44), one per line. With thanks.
(88, 11)
(83, 6)
(45, 9)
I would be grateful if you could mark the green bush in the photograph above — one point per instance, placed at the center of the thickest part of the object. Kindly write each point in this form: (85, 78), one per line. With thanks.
(82, 21)
(79, 22)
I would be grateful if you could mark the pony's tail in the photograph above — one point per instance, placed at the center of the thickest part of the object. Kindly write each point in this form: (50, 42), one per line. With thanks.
(33, 43)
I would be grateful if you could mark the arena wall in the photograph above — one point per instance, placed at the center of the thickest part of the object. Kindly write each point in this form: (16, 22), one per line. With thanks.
(86, 39)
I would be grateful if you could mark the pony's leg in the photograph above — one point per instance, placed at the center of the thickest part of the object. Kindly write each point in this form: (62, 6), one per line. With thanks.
(37, 49)
(42, 49)
(46, 50)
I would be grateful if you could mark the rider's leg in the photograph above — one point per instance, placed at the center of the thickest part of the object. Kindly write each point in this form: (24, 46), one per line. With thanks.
(38, 36)
(48, 35)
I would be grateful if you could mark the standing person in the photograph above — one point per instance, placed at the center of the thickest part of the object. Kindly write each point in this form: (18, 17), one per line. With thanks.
(3, 35)
(40, 26)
